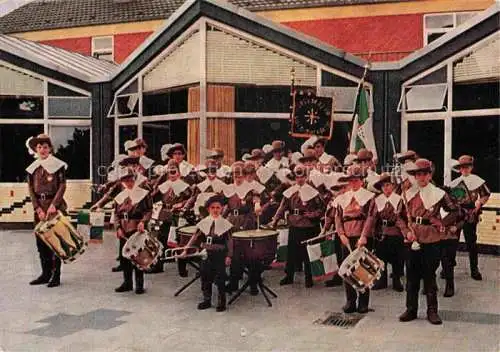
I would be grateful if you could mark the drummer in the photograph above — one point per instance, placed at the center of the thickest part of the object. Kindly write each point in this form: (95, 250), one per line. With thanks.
(177, 152)
(214, 232)
(389, 241)
(132, 210)
(138, 148)
(306, 208)
(47, 185)
(354, 220)
(174, 194)
(278, 160)
(223, 171)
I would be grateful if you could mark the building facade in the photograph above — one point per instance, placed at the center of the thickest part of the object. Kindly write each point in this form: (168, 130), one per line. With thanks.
(214, 75)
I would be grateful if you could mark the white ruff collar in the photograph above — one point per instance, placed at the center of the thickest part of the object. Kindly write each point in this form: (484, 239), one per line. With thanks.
(51, 164)
(221, 225)
(472, 182)
(185, 168)
(264, 174)
(177, 186)
(362, 196)
(146, 162)
(306, 192)
(257, 186)
(140, 179)
(135, 194)
(316, 177)
(217, 185)
(325, 158)
(281, 175)
(241, 191)
(382, 200)
(274, 164)
(223, 171)
(429, 194)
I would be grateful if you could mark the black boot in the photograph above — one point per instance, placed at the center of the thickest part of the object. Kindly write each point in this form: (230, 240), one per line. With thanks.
(349, 307)
(181, 266)
(287, 280)
(221, 301)
(473, 260)
(408, 315)
(450, 288)
(139, 282)
(127, 284)
(124, 287)
(363, 302)
(55, 280)
(476, 275)
(46, 273)
(382, 282)
(309, 282)
(432, 309)
(335, 281)
(117, 268)
(396, 284)
(206, 288)
(233, 285)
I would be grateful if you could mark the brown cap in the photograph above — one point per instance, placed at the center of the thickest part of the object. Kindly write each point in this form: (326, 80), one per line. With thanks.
(141, 142)
(40, 139)
(464, 160)
(277, 146)
(321, 141)
(309, 155)
(217, 198)
(130, 160)
(349, 159)
(175, 147)
(238, 168)
(257, 154)
(364, 155)
(420, 165)
(383, 178)
(353, 171)
(215, 153)
(404, 156)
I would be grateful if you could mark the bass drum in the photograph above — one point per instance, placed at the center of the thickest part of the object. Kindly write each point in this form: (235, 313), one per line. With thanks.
(256, 245)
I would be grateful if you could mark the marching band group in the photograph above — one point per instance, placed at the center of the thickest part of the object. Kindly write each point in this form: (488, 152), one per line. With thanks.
(408, 222)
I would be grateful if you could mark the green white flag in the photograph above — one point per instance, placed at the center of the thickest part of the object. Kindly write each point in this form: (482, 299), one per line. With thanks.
(323, 260)
(362, 127)
(282, 246)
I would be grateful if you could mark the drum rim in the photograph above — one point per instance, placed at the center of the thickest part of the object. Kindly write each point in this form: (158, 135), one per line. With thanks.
(179, 230)
(271, 234)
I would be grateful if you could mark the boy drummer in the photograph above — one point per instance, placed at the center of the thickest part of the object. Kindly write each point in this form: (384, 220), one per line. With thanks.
(47, 184)
(215, 234)
(133, 207)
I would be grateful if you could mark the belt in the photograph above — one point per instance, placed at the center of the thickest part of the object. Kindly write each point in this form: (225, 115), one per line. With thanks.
(237, 212)
(347, 219)
(421, 221)
(126, 217)
(43, 196)
(387, 223)
(298, 212)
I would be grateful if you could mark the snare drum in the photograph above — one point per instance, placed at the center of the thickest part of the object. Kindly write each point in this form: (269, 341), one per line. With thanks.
(184, 234)
(256, 245)
(59, 235)
(361, 269)
(142, 250)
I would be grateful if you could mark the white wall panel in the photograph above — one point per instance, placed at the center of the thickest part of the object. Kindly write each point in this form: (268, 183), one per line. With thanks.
(17, 83)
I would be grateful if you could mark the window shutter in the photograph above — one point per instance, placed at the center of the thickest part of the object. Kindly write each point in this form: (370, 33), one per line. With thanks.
(426, 97)
(231, 59)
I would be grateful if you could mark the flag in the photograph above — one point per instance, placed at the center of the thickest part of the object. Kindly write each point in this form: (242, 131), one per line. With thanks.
(282, 246)
(362, 127)
(323, 260)
(91, 224)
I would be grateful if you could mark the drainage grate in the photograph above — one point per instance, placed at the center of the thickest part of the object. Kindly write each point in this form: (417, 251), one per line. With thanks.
(342, 320)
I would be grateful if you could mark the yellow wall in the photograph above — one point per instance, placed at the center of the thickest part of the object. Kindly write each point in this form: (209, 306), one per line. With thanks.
(421, 6)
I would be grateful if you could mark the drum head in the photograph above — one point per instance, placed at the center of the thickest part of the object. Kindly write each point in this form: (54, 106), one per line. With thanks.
(255, 234)
(187, 230)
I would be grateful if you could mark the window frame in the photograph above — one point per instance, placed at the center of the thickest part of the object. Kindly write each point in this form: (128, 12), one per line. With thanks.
(429, 31)
(106, 51)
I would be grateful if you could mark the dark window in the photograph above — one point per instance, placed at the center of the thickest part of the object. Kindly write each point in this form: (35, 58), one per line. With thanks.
(159, 133)
(126, 133)
(427, 139)
(14, 157)
(328, 79)
(163, 103)
(62, 107)
(12, 107)
(339, 143)
(476, 96)
(128, 106)
(433, 36)
(262, 99)
(478, 136)
(72, 145)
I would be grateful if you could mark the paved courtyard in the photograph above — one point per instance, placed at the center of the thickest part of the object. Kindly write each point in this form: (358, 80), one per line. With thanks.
(85, 314)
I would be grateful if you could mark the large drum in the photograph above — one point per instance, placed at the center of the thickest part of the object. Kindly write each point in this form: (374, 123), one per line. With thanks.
(142, 250)
(184, 234)
(361, 269)
(59, 235)
(256, 245)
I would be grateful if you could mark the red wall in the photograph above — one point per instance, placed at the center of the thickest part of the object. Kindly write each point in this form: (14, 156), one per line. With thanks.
(398, 33)
(79, 45)
(124, 44)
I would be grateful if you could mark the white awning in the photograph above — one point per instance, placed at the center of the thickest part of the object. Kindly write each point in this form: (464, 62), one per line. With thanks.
(424, 97)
